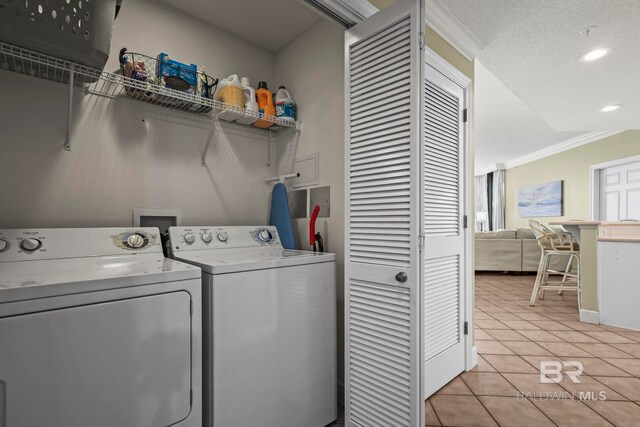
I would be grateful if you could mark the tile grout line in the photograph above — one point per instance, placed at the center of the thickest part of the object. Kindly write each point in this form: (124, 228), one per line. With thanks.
(480, 401)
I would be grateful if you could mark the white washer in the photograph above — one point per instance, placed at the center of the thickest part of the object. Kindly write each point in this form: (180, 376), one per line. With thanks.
(97, 328)
(269, 327)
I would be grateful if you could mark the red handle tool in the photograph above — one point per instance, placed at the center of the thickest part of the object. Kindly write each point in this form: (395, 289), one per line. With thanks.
(312, 226)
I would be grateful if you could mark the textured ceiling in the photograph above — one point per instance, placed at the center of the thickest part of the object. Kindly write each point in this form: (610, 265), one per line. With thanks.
(505, 127)
(533, 48)
(271, 24)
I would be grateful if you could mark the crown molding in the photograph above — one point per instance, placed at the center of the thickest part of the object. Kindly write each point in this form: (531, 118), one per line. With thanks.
(568, 144)
(450, 28)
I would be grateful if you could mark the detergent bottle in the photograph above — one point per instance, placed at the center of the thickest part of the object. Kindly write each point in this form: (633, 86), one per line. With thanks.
(285, 106)
(250, 103)
(265, 104)
(230, 91)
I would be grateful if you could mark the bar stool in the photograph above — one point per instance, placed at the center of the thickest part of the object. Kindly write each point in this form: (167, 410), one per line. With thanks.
(555, 244)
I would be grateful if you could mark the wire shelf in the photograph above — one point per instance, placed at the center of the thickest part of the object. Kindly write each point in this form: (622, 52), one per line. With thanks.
(112, 85)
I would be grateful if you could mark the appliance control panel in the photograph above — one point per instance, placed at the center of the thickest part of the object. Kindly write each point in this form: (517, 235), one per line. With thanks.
(212, 237)
(57, 243)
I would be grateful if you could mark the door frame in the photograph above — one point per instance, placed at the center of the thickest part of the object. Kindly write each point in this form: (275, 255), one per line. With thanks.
(594, 183)
(455, 75)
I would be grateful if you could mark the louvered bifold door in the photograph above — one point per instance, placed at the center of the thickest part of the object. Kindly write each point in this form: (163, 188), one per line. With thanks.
(383, 358)
(443, 268)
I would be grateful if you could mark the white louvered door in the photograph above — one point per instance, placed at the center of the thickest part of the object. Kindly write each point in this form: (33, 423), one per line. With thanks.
(444, 246)
(383, 329)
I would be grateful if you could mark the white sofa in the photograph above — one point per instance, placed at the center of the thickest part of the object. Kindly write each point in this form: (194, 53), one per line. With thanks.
(510, 250)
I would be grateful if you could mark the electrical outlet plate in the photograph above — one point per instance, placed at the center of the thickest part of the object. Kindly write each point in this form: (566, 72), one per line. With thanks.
(298, 203)
(320, 196)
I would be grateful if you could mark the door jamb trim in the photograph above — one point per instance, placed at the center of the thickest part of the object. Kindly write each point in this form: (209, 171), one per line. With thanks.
(456, 76)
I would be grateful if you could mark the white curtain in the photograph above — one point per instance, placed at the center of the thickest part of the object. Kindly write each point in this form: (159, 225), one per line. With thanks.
(498, 202)
(482, 202)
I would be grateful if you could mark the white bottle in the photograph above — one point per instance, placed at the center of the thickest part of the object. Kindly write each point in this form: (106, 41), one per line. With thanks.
(285, 105)
(250, 103)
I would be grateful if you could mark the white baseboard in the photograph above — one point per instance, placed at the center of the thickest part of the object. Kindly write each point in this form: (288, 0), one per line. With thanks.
(590, 316)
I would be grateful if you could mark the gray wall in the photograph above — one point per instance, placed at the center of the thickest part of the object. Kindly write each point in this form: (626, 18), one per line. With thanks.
(127, 154)
(313, 67)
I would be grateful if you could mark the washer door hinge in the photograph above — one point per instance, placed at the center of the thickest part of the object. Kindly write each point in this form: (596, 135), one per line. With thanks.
(466, 328)
(421, 41)
(421, 240)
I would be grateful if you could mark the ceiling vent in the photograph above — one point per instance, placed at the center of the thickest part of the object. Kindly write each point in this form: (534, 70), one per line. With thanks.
(347, 12)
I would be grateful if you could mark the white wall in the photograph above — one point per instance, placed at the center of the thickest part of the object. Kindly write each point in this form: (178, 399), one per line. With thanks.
(128, 154)
(312, 67)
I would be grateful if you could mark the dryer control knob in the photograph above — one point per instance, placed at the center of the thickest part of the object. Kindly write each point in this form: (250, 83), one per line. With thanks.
(189, 238)
(223, 237)
(3, 245)
(30, 244)
(135, 241)
(265, 236)
(207, 237)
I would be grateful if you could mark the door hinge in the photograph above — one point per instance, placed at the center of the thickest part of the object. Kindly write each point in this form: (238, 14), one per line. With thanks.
(465, 221)
(191, 308)
(464, 115)
(466, 328)
(190, 397)
(421, 239)
(421, 41)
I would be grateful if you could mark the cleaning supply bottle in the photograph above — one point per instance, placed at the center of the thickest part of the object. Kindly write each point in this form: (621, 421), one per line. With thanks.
(285, 106)
(265, 105)
(250, 103)
(230, 91)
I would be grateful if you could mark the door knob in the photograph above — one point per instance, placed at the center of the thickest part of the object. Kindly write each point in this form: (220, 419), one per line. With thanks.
(401, 277)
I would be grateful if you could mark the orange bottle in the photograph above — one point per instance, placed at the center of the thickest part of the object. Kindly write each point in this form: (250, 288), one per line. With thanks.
(265, 105)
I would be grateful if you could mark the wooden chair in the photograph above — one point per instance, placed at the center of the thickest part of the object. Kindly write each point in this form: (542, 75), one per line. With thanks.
(554, 243)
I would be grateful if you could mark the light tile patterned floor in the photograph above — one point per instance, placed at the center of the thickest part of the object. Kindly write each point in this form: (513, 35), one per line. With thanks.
(513, 338)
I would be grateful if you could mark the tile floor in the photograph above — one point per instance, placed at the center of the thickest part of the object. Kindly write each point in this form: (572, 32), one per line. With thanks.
(513, 338)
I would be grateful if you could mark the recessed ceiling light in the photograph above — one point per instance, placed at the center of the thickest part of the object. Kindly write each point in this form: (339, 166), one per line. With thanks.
(592, 55)
(610, 108)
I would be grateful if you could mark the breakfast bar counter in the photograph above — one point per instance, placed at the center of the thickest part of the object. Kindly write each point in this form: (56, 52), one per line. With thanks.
(619, 274)
(610, 271)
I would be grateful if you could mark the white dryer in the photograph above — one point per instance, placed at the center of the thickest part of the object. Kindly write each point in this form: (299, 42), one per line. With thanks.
(97, 328)
(270, 327)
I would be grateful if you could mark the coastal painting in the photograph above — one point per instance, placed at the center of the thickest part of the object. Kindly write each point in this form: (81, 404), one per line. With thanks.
(540, 200)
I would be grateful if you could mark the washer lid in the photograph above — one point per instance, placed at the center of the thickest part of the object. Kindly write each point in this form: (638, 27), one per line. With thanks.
(24, 280)
(232, 260)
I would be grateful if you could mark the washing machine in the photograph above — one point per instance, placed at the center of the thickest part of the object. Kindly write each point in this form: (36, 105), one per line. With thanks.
(97, 328)
(269, 327)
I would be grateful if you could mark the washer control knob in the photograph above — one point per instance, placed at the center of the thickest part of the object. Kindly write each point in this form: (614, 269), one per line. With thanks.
(29, 244)
(206, 237)
(3, 245)
(135, 241)
(189, 238)
(264, 236)
(223, 237)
